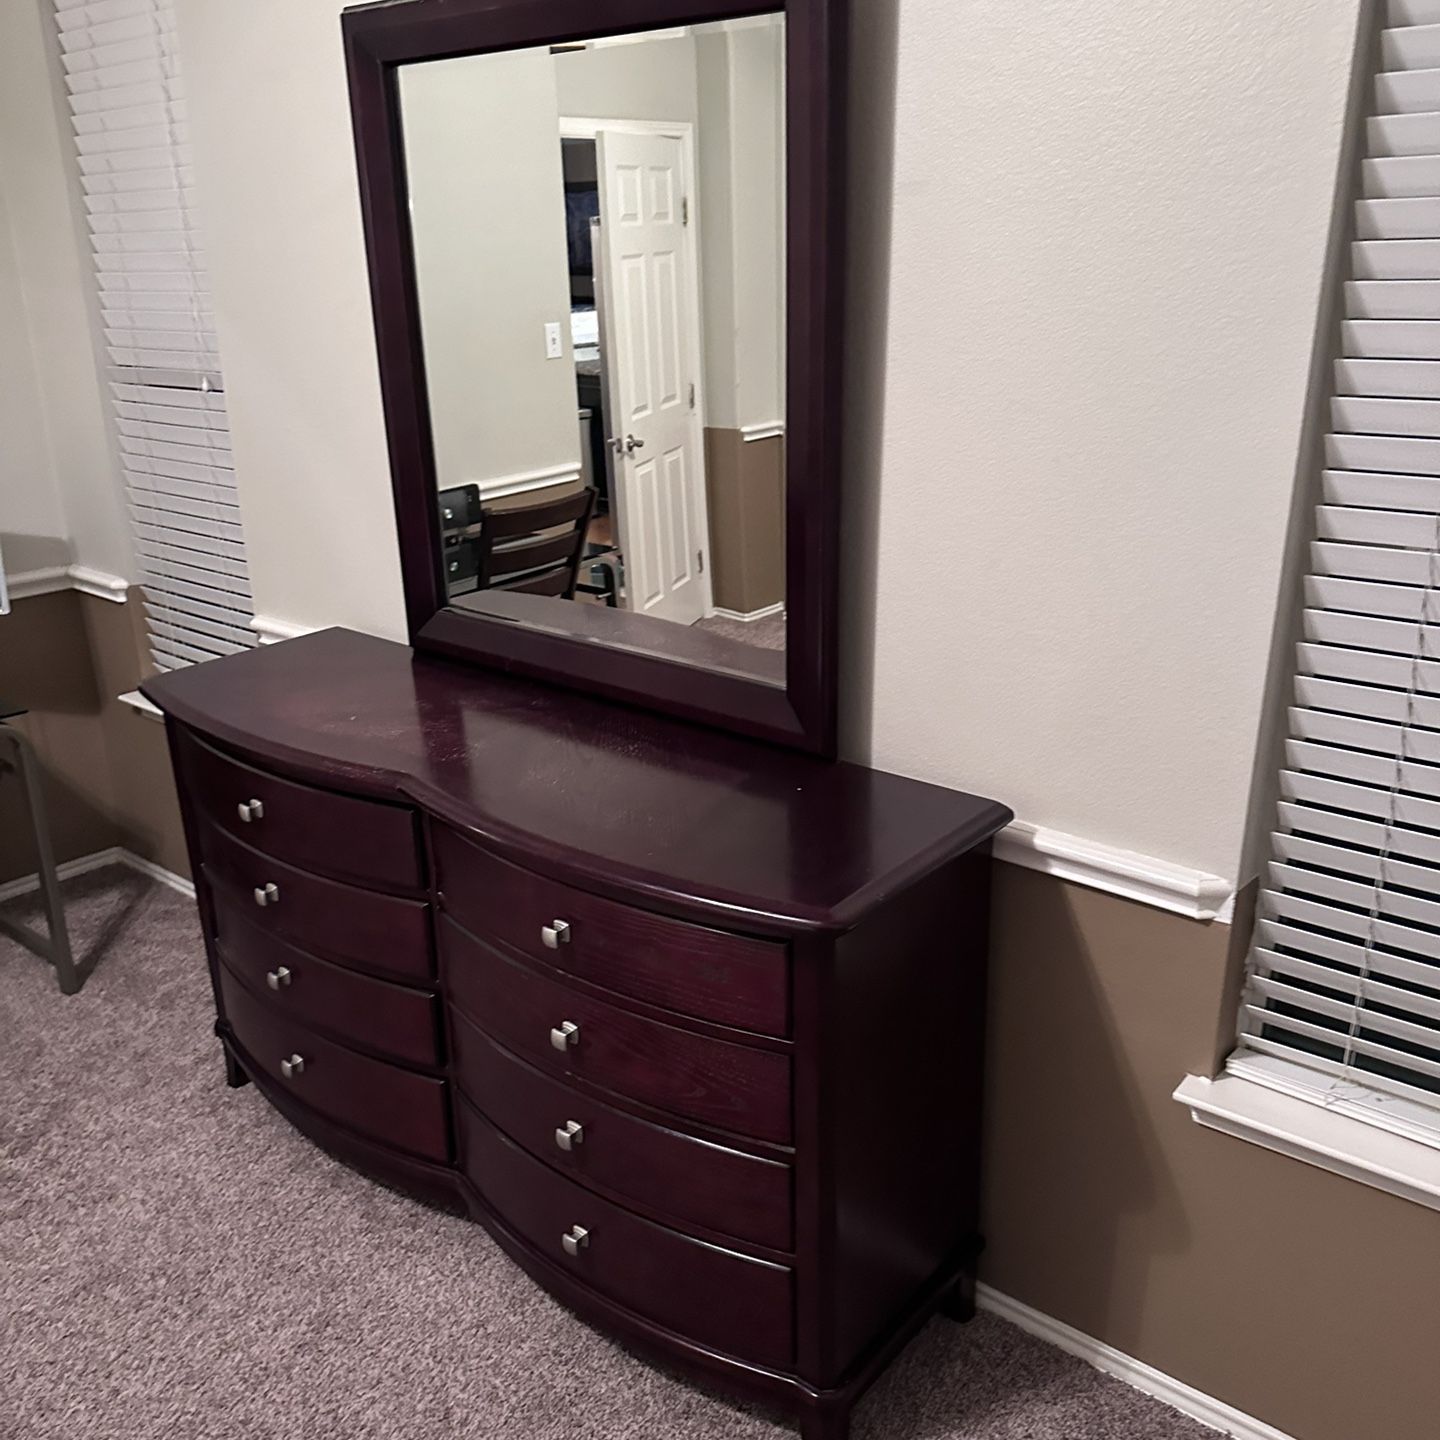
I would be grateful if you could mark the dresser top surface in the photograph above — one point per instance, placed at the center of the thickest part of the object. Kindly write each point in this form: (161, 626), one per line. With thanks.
(617, 798)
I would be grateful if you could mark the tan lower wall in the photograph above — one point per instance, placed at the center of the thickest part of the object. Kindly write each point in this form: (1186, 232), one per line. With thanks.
(1307, 1300)
(745, 485)
(45, 665)
(68, 657)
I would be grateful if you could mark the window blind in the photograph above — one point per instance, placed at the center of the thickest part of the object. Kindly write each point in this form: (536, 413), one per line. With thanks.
(127, 104)
(1343, 991)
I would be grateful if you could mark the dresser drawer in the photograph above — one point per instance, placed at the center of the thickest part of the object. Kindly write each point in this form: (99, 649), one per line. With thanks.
(684, 1179)
(359, 1009)
(714, 1297)
(337, 835)
(394, 1106)
(341, 922)
(730, 979)
(733, 1087)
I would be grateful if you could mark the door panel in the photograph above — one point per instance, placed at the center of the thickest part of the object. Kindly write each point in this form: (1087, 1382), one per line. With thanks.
(653, 358)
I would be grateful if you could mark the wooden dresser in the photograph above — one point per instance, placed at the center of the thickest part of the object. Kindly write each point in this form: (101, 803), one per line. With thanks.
(691, 1025)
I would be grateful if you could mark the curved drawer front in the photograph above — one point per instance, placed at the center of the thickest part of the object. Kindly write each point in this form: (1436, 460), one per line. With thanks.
(732, 1087)
(394, 1106)
(364, 840)
(682, 1178)
(373, 1014)
(714, 1297)
(730, 979)
(341, 922)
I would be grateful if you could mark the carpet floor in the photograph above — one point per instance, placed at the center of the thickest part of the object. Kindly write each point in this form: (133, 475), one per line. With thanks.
(176, 1263)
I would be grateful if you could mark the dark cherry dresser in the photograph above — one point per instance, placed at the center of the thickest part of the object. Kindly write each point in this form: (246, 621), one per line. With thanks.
(690, 1024)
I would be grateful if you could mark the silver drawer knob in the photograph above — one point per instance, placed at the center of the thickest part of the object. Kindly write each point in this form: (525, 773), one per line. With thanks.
(570, 1134)
(576, 1239)
(267, 895)
(292, 1067)
(555, 934)
(566, 1036)
(277, 979)
(251, 810)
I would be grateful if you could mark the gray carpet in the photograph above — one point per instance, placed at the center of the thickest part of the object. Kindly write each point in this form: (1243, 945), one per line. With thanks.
(175, 1261)
(766, 634)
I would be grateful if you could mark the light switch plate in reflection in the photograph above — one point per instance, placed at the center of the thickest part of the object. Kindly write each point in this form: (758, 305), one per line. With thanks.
(554, 349)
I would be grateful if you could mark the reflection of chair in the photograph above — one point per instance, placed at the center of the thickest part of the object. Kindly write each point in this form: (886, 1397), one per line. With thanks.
(535, 549)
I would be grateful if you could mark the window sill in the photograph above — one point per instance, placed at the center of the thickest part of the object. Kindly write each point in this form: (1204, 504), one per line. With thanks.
(141, 706)
(1252, 1109)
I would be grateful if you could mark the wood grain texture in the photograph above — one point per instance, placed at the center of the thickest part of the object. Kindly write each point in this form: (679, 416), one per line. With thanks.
(679, 818)
(369, 1014)
(664, 1172)
(398, 1107)
(341, 922)
(692, 969)
(360, 841)
(734, 1088)
(740, 1305)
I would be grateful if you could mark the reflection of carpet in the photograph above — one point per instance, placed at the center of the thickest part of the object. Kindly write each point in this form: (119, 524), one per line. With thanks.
(766, 634)
(176, 1261)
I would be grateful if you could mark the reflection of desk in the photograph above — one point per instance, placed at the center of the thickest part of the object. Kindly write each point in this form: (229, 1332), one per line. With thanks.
(17, 754)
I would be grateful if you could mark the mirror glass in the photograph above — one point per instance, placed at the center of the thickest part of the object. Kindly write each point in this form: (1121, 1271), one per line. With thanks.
(599, 241)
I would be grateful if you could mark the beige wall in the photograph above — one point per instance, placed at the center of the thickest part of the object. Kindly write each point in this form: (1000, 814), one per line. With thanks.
(1305, 1299)
(1097, 237)
(487, 206)
(746, 498)
(107, 780)
(649, 80)
(57, 462)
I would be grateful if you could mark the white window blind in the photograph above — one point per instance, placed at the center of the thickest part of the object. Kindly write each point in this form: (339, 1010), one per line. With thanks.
(127, 104)
(1343, 993)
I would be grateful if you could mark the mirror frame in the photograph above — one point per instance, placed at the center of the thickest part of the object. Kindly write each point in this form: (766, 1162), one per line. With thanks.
(627, 659)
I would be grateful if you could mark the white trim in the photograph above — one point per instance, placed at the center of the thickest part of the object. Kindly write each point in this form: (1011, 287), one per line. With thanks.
(523, 480)
(748, 617)
(28, 583)
(772, 430)
(115, 855)
(272, 630)
(99, 583)
(1120, 872)
(1315, 1134)
(55, 578)
(1135, 1373)
(138, 703)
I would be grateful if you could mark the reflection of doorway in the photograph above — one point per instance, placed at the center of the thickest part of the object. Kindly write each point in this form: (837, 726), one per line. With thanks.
(646, 272)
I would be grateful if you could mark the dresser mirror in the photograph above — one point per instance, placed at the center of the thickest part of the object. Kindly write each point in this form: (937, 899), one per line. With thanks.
(605, 251)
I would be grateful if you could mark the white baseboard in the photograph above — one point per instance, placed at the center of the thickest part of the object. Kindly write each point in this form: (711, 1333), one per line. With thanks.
(1120, 872)
(1146, 1378)
(115, 855)
(99, 583)
(770, 430)
(746, 617)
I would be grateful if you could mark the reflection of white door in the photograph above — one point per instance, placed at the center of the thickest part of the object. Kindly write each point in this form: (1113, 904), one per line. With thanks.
(650, 343)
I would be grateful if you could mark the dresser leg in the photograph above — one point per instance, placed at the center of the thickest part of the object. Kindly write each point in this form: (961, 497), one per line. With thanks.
(235, 1077)
(959, 1301)
(831, 1423)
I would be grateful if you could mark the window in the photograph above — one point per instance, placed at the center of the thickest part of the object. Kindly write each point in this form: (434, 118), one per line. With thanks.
(128, 110)
(1343, 997)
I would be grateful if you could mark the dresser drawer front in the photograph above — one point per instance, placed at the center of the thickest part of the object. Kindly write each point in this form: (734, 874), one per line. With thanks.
(393, 1106)
(730, 979)
(373, 1014)
(686, 1180)
(364, 840)
(732, 1087)
(340, 922)
(715, 1297)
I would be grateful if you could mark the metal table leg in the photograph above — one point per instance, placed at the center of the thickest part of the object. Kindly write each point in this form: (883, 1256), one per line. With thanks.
(55, 949)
